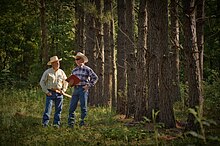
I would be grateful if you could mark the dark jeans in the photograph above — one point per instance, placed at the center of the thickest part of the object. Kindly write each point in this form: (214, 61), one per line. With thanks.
(78, 95)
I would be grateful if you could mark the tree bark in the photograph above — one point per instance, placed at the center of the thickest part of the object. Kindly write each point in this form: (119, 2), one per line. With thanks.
(108, 55)
(90, 49)
(152, 45)
(131, 58)
(121, 59)
(113, 52)
(192, 61)
(174, 39)
(100, 55)
(166, 114)
(80, 40)
(141, 92)
(200, 23)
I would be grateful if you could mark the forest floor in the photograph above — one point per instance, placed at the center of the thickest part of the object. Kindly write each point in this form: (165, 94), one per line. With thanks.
(20, 124)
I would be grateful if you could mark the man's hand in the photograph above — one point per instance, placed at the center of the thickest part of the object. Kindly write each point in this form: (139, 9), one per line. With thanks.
(59, 91)
(49, 94)
(62, 92)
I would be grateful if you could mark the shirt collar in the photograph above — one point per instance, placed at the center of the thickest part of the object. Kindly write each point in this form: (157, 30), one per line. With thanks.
(81, 65)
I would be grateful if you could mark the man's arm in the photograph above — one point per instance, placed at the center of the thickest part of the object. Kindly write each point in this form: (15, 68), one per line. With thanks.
(43, 82)
(93, 78)
(65, 83)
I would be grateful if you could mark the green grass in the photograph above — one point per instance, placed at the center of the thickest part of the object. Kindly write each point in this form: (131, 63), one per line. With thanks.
(20, 119)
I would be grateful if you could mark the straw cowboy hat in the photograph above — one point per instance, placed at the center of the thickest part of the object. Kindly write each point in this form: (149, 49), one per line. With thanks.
(53, 59)
(81, 55)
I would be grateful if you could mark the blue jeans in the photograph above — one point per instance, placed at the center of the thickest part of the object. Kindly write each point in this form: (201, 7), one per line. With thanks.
(78, 95)
(58, 102)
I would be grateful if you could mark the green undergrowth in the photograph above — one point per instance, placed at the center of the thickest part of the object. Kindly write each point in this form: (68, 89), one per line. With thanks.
(20, 120)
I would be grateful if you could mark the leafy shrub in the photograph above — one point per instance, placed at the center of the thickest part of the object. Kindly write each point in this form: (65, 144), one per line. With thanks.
(212, 98)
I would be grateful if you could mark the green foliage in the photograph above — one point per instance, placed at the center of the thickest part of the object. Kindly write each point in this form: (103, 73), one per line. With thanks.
(184, 95)
(211, 75)
(36, 71)
(202, 121)
(212, 99)
(20, 39)
(212, 35)
(154, 117)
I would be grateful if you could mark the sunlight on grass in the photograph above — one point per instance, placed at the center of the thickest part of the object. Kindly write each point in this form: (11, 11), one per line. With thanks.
(21, 113)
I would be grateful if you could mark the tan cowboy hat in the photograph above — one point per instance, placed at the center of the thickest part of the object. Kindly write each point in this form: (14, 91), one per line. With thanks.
(81, 55)
(53, 59)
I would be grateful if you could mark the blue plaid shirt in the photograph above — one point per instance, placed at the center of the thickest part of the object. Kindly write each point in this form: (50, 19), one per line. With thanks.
(86, 75)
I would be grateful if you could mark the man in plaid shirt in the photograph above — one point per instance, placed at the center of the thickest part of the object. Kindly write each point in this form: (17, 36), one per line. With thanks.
(88, 78)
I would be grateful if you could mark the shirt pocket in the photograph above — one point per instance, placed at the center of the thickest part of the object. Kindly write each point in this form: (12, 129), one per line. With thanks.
(59, 81)
(51, 78)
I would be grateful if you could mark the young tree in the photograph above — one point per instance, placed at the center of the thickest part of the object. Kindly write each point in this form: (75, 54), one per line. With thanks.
(192, 60)
(141, 88)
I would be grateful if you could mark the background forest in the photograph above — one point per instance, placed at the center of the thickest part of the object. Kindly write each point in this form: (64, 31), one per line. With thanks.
(157, 62)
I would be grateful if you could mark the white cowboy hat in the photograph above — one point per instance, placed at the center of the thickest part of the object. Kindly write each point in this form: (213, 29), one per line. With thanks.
(81, 55)
(53, 59)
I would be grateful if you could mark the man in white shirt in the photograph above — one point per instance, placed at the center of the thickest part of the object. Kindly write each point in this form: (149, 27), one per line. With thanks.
(54, 85)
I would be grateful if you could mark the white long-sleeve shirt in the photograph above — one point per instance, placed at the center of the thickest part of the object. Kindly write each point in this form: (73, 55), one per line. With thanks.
(53, 80)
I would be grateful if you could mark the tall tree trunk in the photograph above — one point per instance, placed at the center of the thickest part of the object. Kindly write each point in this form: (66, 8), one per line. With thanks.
(53, 44)
(218, 21)
(113, 52)
(108, 57)
(166, 114)
(131, 58)
(174, 38)
(44, 50)
(100, 54)
(152, 45)
(90, 48)
(80, 41)
(121, 59)
(200, 17)
(141, 89)
(192, 61)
